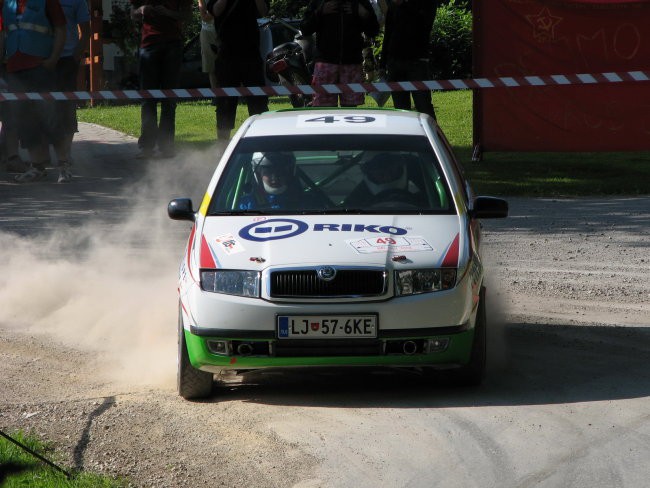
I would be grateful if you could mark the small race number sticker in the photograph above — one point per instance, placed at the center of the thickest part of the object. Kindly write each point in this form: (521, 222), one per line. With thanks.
(392, 244)
(325, 120)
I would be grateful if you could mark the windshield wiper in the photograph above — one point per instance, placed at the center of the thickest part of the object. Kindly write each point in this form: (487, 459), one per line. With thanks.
(235, 213)
(344, 211)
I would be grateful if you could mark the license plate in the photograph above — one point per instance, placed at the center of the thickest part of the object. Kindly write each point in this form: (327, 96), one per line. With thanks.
(326, 327)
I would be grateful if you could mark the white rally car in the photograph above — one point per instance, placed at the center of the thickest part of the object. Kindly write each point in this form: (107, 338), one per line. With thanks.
(333, 237)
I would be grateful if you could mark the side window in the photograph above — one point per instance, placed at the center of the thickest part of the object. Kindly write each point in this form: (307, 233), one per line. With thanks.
(438, 189)
(233, 184)
(459, 173)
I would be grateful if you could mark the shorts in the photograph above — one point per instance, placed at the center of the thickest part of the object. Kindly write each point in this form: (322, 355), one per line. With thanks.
(327, 73)
(35, 121)
(207, 37)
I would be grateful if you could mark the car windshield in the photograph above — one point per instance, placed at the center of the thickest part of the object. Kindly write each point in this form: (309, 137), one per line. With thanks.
(319, 174)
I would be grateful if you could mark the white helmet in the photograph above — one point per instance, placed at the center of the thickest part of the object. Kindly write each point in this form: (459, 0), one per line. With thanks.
(280, 166)
(385, 171)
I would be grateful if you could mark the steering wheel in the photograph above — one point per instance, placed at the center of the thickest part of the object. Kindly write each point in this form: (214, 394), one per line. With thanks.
(396, 198)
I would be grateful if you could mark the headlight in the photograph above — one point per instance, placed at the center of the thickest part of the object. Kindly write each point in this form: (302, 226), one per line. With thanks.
(231, 282)
(414, 281)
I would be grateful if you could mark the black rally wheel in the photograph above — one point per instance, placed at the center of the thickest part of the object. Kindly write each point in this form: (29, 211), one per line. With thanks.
(473, 373)
(192, 383)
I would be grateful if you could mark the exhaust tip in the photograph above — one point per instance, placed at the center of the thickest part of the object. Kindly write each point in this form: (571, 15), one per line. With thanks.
(244, 349)
(409, 347)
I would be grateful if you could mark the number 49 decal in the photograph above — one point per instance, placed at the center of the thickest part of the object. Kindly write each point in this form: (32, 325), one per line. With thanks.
(330, 120)
(351, 119)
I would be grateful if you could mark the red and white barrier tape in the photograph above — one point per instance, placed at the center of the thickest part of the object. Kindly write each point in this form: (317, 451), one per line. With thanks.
(433, 85)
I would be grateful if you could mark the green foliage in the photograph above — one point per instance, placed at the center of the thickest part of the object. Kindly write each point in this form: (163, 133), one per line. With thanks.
(124, 31)
(377, 44)
(292, 9)
(451, 42)
(193, 26)
(451, 37)
(466, 4)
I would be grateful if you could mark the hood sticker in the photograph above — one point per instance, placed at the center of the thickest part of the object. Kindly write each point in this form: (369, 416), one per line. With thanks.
(273, 229)
(384, 244)
(228, 244)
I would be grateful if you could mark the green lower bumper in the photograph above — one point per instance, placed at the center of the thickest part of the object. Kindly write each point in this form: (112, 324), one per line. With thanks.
(457, 353)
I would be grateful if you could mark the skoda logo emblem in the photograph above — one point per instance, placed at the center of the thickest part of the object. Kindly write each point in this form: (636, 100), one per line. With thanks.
(326, 273)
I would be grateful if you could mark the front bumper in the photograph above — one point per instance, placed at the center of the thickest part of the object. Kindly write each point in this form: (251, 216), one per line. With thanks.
(448, 349)
(408, 330)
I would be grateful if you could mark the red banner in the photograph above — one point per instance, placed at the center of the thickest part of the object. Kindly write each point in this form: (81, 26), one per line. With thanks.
(551, 37)
(597, 2)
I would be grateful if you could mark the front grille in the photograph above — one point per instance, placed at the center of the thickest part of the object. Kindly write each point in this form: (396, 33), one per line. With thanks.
(346, 283)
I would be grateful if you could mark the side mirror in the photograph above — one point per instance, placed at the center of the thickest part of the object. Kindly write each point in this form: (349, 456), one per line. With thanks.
(489, 208)
(181, 209)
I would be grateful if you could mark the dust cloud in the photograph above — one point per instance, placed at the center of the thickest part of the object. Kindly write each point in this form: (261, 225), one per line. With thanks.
(108, 287)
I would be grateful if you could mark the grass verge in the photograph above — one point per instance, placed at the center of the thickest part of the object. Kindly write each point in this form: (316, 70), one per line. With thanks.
(18, 468)
(511, 173)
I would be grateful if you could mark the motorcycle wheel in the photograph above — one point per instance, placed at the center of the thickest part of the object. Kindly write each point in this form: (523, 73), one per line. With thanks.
(300, 100)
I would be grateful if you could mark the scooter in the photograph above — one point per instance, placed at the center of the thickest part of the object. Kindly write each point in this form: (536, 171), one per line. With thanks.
(291, 63)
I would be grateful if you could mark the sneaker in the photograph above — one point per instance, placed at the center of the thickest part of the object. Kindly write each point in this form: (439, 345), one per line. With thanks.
(65, 176)
(16, 165)
(32, 174)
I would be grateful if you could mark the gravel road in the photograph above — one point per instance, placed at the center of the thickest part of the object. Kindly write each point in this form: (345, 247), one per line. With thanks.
(87, 351)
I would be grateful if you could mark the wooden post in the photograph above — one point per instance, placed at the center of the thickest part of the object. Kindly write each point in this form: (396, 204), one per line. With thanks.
(96, 59)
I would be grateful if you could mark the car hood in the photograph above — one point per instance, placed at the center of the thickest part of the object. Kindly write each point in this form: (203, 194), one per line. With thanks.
(351, 240)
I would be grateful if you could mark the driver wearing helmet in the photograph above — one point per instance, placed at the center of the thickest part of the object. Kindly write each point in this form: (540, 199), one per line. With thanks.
(384, 176)
(384, 173)
(275, 184)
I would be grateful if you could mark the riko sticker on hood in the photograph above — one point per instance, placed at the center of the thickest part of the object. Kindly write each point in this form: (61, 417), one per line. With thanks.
(384, 244)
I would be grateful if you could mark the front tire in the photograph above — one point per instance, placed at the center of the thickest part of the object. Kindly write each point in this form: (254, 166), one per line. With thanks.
(473, 373)
(192, 383)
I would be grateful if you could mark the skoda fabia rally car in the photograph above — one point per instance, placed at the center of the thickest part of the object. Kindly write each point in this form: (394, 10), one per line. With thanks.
(333, 237)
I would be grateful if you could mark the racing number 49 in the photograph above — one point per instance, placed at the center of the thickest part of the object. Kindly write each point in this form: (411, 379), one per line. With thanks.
(350, 119)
